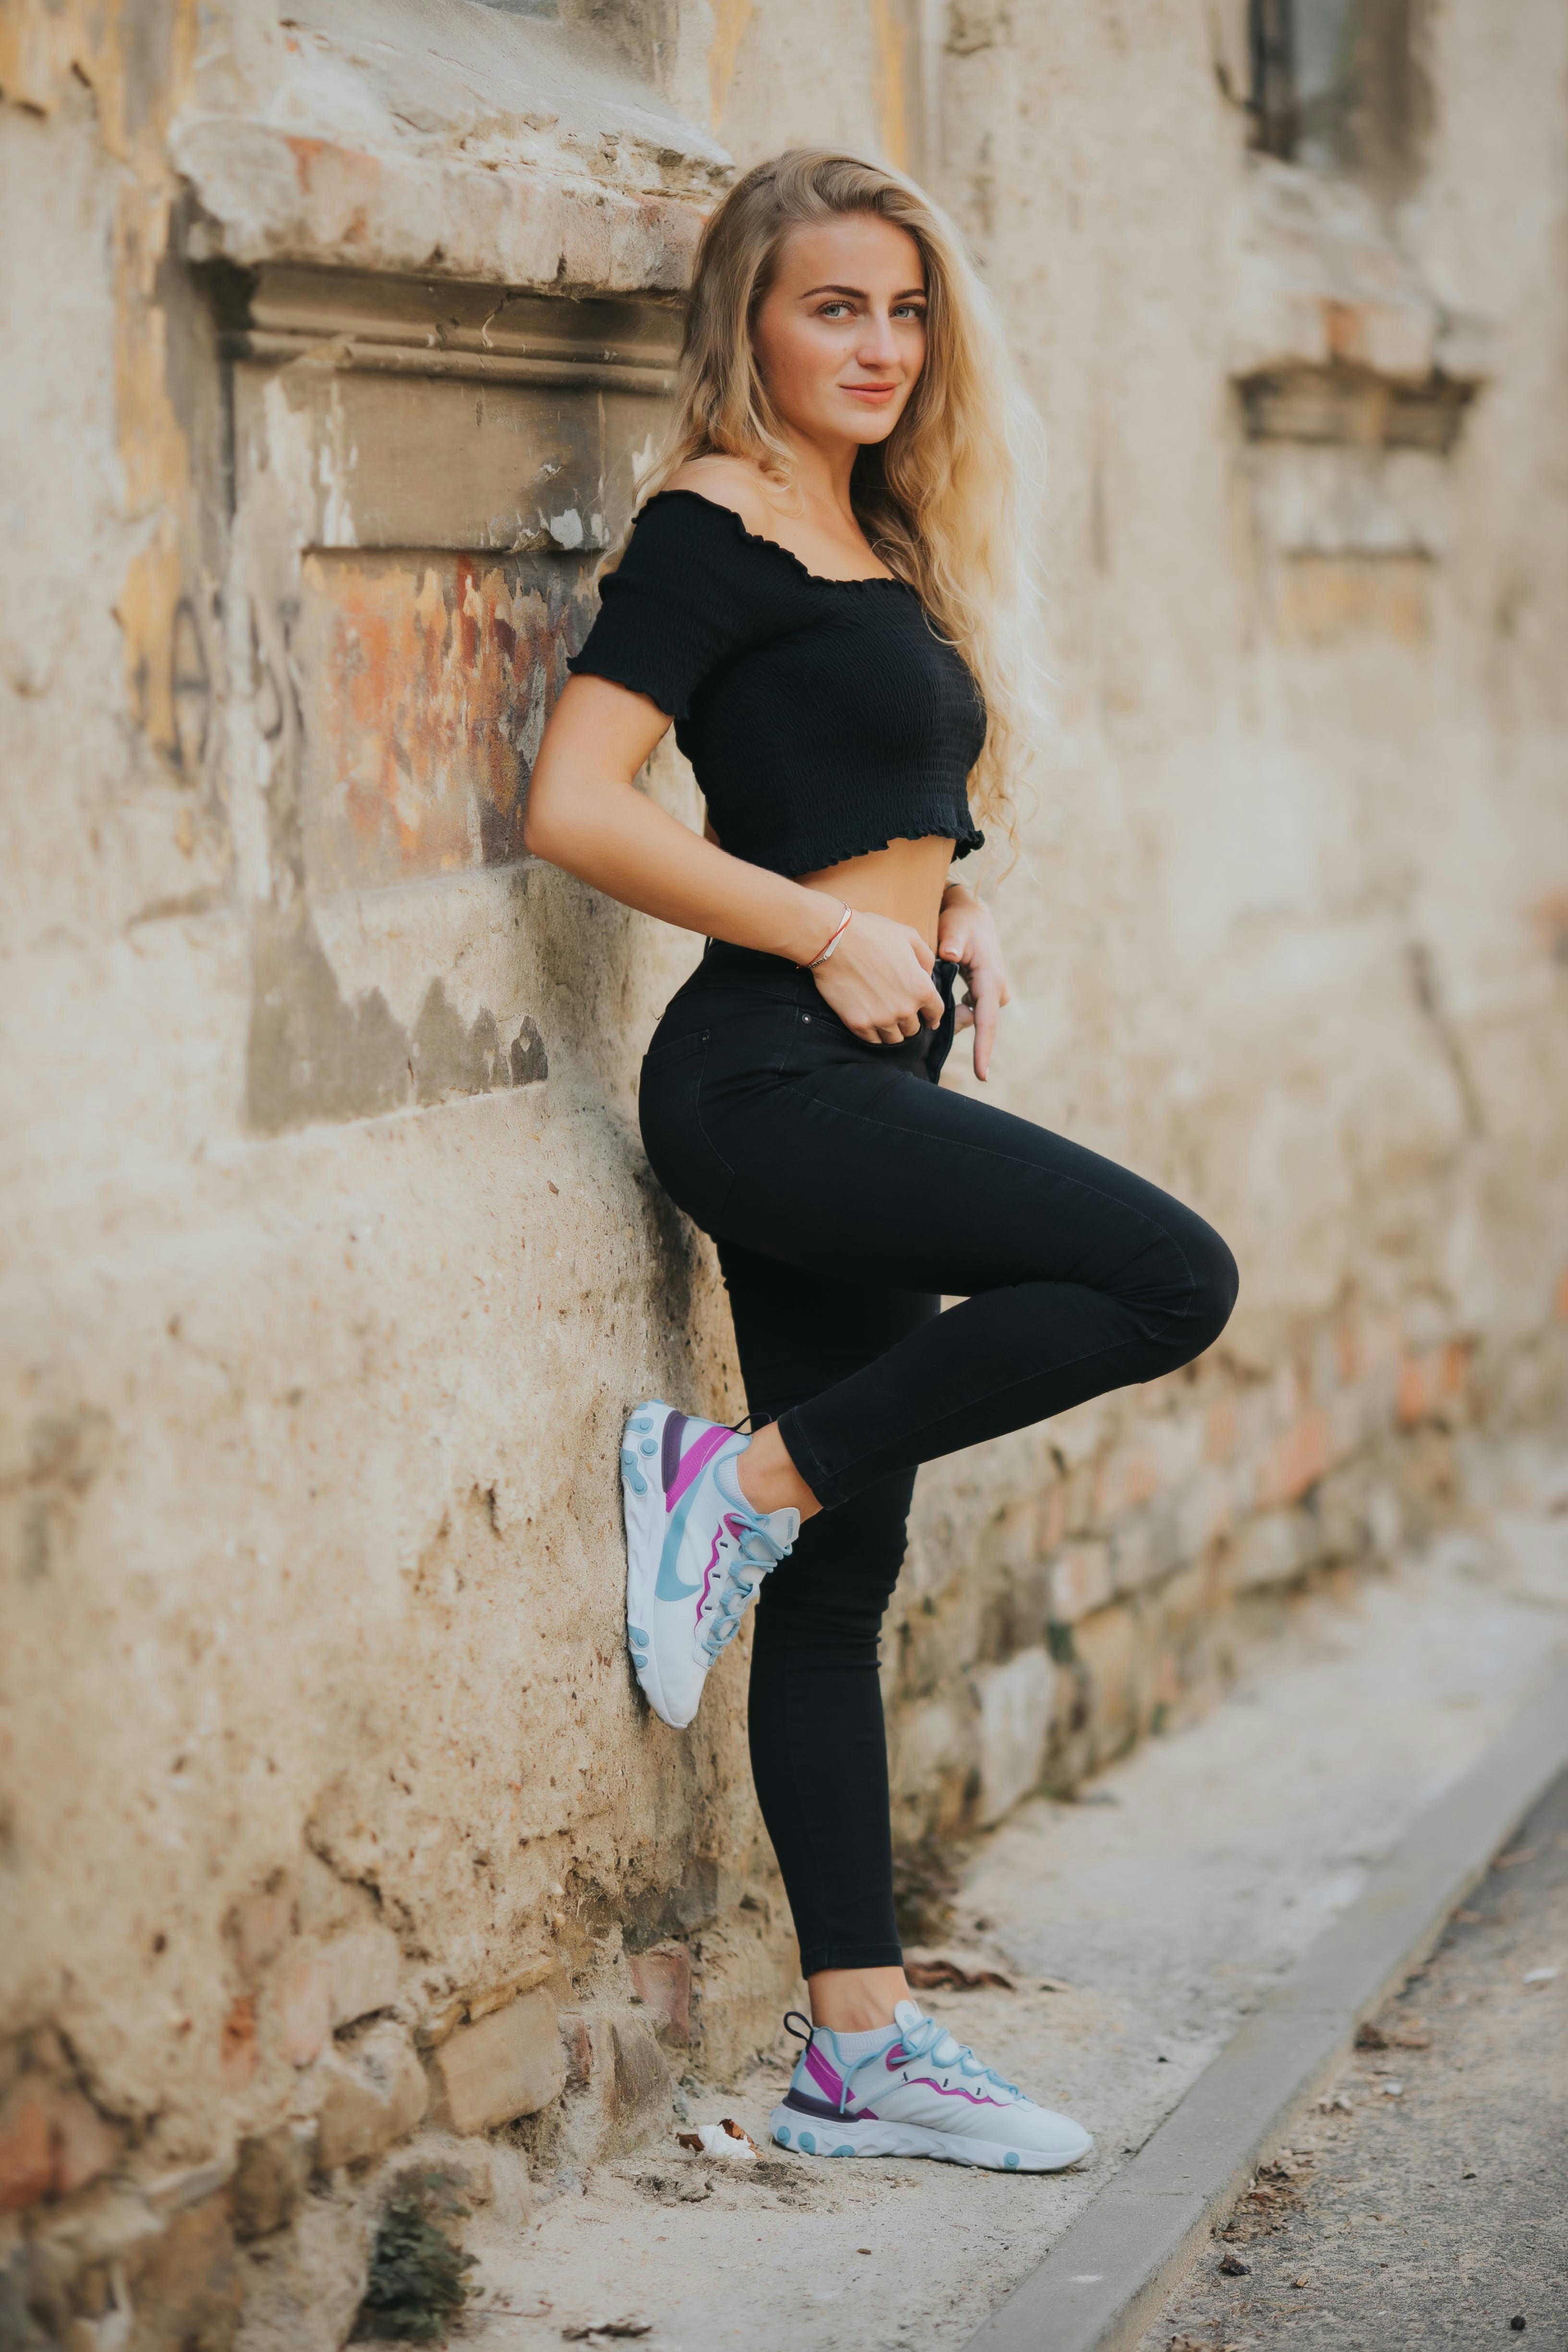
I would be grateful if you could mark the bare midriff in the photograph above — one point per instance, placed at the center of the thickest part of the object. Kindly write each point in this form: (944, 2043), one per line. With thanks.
(905, 882)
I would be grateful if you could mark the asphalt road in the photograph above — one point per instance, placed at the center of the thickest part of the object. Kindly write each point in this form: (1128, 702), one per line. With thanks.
(1423, 2203)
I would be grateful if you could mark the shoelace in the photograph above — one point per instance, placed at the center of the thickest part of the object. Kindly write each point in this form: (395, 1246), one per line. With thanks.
(925, 2040)
(738, 1589)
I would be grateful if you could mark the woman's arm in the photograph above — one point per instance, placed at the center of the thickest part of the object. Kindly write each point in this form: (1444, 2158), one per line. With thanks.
(586, 813)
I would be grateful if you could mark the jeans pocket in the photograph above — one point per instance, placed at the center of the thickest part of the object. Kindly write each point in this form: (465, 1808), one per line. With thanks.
(681, 1153)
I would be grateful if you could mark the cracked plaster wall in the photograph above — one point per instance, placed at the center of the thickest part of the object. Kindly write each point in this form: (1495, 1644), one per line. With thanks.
(332, 1260)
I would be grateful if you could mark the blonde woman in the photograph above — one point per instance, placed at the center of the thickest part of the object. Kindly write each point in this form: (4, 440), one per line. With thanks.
(824, 597)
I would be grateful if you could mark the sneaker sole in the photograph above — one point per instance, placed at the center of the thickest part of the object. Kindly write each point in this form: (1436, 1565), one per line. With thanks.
(883, 2138)
(644, 1517)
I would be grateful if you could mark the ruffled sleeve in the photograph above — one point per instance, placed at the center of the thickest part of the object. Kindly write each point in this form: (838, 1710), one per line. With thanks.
(677, 605)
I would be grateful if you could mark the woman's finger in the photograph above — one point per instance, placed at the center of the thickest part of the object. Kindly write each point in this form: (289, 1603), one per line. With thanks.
(984, 993)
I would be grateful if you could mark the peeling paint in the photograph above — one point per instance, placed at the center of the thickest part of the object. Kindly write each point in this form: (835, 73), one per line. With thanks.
(425, 689)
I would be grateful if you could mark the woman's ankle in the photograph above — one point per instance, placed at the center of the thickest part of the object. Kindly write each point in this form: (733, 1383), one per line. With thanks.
(856, 2001)
(769, 1479)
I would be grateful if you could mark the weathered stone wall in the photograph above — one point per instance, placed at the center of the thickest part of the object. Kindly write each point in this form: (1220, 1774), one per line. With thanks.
(334, 342)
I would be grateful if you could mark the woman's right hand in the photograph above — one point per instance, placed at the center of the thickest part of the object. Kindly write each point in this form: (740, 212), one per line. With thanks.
(878, 982)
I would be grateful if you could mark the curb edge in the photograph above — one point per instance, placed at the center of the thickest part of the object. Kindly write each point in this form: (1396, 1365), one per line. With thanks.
(1106, 2277)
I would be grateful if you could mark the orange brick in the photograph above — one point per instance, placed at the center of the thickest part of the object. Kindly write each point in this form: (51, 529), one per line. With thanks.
(237, 2052)
(51, 2142)
(1562, 1294)
(662, 1981)
(26, 2159)
(1413, 1391)
(1452, 1366)
(1296, 1463)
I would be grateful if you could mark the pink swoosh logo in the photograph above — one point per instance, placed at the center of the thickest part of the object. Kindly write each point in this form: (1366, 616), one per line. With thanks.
(694, 1462)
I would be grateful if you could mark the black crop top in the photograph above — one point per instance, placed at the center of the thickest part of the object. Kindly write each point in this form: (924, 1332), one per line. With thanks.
(823, 718)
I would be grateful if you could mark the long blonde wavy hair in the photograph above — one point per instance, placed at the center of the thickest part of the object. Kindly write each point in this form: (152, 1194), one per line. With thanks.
(940, 499)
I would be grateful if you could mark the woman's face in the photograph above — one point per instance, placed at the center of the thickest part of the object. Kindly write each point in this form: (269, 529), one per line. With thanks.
(840, 335)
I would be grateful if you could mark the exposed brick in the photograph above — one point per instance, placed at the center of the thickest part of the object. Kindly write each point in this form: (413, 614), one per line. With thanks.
(1080, 1581)
(577, 2045)
(85, 2146)
(1561, 1294)
(186, 2286)
(1017, 1702)
(305, 2011)
(1267, 1549)
(363, 1967)
(1132, 1556)
(510, 2064)
(1296, 1463)
(52, 2142)
(368, 2097)
(1204, 1510)
(272, 2172)
(1107, 1649)
(1414, 1391)
(661, 1979)
(26, 2155)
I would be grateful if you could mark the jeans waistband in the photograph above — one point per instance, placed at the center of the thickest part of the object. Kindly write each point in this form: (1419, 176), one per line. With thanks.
(722, 962)
(755, 974)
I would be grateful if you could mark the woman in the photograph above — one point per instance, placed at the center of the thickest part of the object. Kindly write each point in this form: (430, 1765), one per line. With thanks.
(823, 597)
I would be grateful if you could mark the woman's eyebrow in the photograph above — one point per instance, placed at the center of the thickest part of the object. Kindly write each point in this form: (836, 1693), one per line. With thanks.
(858, 293)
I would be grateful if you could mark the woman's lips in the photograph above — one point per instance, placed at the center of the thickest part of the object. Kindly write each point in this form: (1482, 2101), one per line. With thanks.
(869, 391)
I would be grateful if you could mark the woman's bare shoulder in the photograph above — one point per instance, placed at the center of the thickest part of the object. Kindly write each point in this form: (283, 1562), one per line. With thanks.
(732, 482)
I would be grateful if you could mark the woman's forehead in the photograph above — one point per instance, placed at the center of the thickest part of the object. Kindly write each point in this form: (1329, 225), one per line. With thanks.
(855, 249)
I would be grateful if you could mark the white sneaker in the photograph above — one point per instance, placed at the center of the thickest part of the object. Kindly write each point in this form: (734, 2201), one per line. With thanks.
(695, 1551)
(921, 2093)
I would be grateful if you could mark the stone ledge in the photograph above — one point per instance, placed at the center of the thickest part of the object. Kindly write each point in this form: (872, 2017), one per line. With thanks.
(260, 193)
(1318, 282)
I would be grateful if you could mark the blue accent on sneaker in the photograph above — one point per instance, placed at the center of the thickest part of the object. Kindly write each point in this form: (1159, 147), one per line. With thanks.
(668, 1585)
(1011, 2159)
(629, 1464)
(845, 2150)
(643, 1423)
(809, 2142)
(649, 1445)
(635, 1633)
(782, 2135)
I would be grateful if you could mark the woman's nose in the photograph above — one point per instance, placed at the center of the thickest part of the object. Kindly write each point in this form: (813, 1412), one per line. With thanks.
(878, 344)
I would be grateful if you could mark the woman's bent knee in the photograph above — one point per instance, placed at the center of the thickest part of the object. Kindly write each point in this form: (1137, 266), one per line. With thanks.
(1215, 1283)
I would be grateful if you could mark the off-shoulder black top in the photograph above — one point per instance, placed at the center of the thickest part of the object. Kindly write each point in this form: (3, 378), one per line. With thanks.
(823, 718)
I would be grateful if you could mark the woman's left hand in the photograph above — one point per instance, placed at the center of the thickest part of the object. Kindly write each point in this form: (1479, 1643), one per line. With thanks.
(967, 936)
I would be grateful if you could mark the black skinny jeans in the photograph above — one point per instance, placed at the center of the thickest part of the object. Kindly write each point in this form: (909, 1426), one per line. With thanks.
(847, 1194)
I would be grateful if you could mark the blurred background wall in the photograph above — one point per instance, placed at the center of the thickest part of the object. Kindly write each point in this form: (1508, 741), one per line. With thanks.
(335, 340)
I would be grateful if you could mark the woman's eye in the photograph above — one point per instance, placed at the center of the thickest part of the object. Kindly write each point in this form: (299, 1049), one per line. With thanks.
(834, 311)
(909, 310)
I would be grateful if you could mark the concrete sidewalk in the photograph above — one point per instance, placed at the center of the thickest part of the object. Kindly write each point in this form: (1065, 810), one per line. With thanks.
(1187, 1882)
(1424, 2199)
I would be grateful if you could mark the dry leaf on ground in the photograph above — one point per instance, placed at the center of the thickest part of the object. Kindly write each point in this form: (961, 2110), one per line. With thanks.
(955, 1971)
